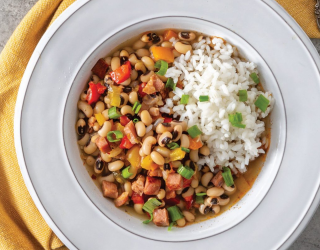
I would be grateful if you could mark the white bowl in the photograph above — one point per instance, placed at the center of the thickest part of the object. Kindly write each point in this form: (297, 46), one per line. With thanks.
(209, 227)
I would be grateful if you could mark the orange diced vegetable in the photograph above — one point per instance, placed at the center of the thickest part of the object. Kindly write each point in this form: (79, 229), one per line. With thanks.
(168, 34)
(195, 143)
(100, 118)
(162, 53)
(133, 156)
(147, 163)
(177, 154)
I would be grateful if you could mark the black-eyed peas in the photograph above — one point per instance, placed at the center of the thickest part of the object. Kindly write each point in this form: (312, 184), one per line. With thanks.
(183, 124)
(204, 209)
(98, 108)
(176, 53)
(176, 164)
(142, 52)
(133, 59)
(188, 193)
(95, 79)
(147, 144)
(229, 190)
(90, 160)
(127, 187)
(133, 97)
(116, 53)
(162, 194)
(81, 127)
(124, 53)
(206, 178)
(204, 150)
(146, 118)
(177, 132)
(99, 166)
(109, 178)
(96, 126)
(209, 201)
(115, 63)
(139, 66)
(140, 129)
(166, 44)
(200, 189)
(150, 133)
(183, 47)
(126, 109)
(124, 99)
(187, 35)
(188, 216)
(148, 62)
(185, 141)
(223, 200)
(181, 222)
(215, 209)
(85, 108)
(138, 208)
(116, 165)
(106, 128)
(133, 75)
(126, 82)
(164, 139)
(83, 141)
(157, 158)
(194, 183)
(154, 111)
(215, 191)
(129, 50)
(145, 77)
(105, 157)
(138, 45)
(194, 155)
(90, 148)
(83, 97)
(165, 152)
(164, 127)
(108, 60)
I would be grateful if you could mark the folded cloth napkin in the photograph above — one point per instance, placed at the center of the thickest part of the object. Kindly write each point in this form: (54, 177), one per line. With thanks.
(21, 225)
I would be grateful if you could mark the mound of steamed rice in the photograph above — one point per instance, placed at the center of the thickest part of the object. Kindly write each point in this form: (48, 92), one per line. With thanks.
(218, 72)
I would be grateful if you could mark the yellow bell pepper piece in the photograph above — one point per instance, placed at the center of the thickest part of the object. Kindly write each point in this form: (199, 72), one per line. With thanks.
(100, 118)
(162, 53)
(114, 95)
(177, 154)
(119, 127)
(147, 163)
(133, 156)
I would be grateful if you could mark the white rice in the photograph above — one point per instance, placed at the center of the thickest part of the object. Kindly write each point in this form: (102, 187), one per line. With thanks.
(219, 73)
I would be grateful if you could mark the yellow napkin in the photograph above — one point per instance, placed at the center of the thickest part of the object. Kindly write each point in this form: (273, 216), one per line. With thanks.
(21, 225)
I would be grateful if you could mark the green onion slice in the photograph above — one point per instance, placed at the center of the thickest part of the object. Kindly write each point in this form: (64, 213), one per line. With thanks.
(199, 200)
(185, 171)
(236, 119)
(150, 205)
(175, 213)
(201, 194)
(148, 221)
(114, 136)
(203, 98)
(255, 78)
(136, 107)
(262, 103)
(125, 173)
(243, 95)
(227, 176)
(194, 131)
(162, 66)
(184, 99)
(170, 226)
(113, 113)
(185, 149)
(135, 120)
(170, 84)
(172, 145)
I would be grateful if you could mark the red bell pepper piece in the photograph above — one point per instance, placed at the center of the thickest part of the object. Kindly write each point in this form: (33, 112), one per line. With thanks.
(136, 198)
(167, 120)
(94, 92)
(172, 201)
(186, 182)
(125, 143)
(141, 87)
(189, 200)
(124, 120)
(121, 74)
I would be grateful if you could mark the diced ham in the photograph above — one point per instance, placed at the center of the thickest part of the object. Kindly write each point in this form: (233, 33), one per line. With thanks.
(174, 181)
(170, 194)
(122, 199)
(131, 133)
(109, 189)
(153, 85)
(103, 144)
(152, 186)
(161, 217)
(217, 180)
(155, 173)
(100, 68)
(138, 185)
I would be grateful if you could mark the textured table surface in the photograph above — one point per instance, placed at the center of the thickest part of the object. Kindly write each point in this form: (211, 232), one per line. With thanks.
(11, 13)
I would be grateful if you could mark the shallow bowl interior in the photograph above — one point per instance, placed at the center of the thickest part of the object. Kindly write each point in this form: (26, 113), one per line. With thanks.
(207, 228)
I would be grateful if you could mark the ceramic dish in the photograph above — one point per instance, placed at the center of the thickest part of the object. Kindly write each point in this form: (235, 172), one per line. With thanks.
(59, 68)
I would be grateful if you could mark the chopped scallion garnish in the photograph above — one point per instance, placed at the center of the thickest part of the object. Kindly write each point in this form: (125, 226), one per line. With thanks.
(148, 221)
(243, 95)
(113, 113)
(162, 66)
(201, 194)
(227, 176)
(170, 226)
(185, 149)
(174, 213)
(185, 172)
(262, 103)
(150, 205)
(199, 200)
(170, 84)
(194, 131)
(203, 98)
(114, 136)
(184, 99)
(236, 119)
(135, 120)
(136, 107)
(255, 78)
(125, 173)
(172, 145)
